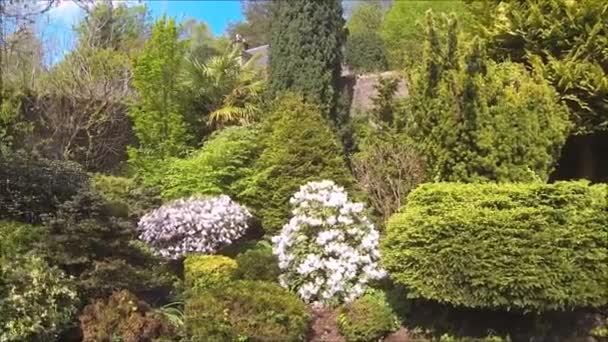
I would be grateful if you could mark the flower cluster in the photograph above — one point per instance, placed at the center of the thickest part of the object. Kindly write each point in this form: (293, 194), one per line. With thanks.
(196, 224)
(328, 251)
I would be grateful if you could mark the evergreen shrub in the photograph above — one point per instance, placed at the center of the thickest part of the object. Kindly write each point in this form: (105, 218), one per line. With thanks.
(299, 147)
(205, 271)
(518, 246)
(31, 187)
(368, 318)
(219, 167)
(258, 264)
(246, 311)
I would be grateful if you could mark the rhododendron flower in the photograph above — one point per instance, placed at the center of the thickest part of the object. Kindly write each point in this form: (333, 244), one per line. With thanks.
(328, 251)
(196, 224)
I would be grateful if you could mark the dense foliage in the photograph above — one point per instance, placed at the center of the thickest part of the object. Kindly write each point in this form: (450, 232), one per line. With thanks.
(32, 187)
(246, 310)
(89, 242)
(368, 318)
(37, 301)
(17, 238)
(196, 224)
(519, 246)
(566, 40)
(124, 153)
(221, 166)
(479, 120)
(305, 49)
(258, 264)
(364, 52)
(157, 121)
(300, 147)
(402, 28)
(328, 251)
(205, 271)
(123, 317)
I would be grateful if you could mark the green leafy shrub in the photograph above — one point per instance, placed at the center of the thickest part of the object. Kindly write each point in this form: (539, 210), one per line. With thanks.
(32, 187)
(364, 52)
(204, 271)
(125, 196)
(17, 238)
(123, 317)
(87, 241)
(246, 311)
(218, 168)
(520, 246)
(37, 301)
(367, 318)
(299, 147)
(258, 264)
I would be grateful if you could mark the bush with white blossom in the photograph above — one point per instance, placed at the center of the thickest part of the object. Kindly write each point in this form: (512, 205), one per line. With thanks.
(328, 252)
(194, 225)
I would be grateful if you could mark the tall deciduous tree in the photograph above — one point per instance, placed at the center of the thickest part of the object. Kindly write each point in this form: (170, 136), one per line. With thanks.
(305, 49)
(158, 122)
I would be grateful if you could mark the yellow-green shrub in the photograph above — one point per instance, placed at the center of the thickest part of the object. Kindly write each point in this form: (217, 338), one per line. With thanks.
(204, 271)
(521, 246)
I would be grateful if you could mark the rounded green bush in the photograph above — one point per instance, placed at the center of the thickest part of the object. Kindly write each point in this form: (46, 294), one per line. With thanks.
(246, 311)
(299, 147)
(502, 246)
(204, 271)
(367, 318)
(258, 264)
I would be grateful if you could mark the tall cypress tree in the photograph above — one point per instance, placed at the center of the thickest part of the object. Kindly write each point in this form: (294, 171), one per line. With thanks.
(305, 49)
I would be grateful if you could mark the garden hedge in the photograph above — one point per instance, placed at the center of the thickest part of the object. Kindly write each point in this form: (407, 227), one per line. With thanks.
(507, 246)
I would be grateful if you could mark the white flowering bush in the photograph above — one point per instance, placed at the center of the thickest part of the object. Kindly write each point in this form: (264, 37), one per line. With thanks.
(328, 252)
(194, 225)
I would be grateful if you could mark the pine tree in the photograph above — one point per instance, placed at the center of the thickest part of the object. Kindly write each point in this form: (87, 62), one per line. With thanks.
(305, 49)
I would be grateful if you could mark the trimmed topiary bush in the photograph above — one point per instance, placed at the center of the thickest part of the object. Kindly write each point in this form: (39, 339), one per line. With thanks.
(219, 167)
(502, 246)
(368, 318)
(258, 264)
(299, 147)
(328, 251)
(246, 311)
(37, 301)
(204, 271)
(123, 317)
(194, 225)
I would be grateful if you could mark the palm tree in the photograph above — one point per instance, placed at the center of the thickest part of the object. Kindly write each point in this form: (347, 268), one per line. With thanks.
(232, 89)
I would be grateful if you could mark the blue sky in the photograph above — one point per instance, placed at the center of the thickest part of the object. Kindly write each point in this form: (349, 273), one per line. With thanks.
(55, 27)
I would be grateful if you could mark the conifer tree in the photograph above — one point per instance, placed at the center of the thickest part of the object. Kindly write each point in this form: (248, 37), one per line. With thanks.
(157, 120)
(305, 49)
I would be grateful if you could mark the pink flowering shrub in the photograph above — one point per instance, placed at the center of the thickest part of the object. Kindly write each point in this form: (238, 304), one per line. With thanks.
(194, 225)
(328, 252)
